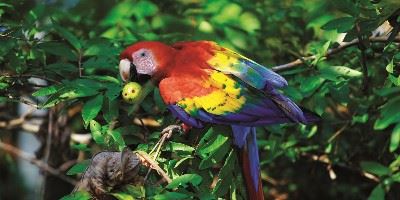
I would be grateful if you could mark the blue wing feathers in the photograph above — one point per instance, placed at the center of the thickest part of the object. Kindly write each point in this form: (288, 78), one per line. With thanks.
(184, 117)
(269, 77)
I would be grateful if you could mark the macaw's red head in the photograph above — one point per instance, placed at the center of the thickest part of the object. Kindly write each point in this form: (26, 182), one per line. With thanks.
(144, 58)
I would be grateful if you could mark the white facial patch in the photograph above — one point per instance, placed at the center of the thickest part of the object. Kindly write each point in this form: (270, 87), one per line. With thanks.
(124, 69)
(144, 61)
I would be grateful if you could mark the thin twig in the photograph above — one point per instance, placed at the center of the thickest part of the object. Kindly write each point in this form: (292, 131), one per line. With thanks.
(28, 157)
(159, 144)
(153, 164)
(49, 138)
(338, 132)
(330, 52)
(10, 124)
(33, 76)
(325, 160)
(24, 101)
(80, 63)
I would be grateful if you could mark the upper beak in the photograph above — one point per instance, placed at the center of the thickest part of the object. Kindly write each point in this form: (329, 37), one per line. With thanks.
(124, 69)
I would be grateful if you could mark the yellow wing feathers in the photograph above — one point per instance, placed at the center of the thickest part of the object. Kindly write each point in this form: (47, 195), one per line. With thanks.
(225, 98)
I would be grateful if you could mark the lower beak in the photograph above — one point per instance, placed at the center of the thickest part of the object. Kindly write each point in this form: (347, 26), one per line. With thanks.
(124, 69)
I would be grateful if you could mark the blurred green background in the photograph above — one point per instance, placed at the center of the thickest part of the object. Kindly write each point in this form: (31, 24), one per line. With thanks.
(351, 154)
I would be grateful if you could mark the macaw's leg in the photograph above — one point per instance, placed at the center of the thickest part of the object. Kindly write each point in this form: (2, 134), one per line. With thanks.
(170, 129)
(166, 133)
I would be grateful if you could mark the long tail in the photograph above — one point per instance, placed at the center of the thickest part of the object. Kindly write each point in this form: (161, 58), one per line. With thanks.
(245, 138)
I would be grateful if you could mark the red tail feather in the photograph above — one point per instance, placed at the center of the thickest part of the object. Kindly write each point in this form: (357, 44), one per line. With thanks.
(252, 192)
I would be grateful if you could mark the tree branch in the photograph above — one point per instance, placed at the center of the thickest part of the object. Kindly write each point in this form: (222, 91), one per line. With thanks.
(330, 52)
(32, 159)
(10, 124)
(144, 156)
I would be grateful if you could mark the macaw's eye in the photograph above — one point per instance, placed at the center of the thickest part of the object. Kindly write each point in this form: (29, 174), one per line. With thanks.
(143, 54)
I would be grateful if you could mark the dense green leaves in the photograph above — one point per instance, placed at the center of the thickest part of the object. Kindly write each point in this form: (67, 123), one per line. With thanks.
(75, 51)
(184, 180)
(341, 25)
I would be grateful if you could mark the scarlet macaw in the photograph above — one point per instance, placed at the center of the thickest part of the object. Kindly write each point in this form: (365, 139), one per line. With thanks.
(202, 82)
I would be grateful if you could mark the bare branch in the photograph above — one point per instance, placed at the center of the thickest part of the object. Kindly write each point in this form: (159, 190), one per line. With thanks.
(330, 52)
(24, 101)
(144, 156)
(16, 122)
(325, 160)
(32, 159)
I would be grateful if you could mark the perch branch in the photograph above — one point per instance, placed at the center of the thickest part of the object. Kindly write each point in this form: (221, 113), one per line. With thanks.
(330, 52)
(28, 157)
(144, 156)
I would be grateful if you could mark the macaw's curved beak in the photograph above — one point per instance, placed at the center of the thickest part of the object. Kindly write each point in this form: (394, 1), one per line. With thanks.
(127, 70)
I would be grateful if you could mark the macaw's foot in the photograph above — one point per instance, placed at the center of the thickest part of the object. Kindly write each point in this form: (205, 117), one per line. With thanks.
(171, 129)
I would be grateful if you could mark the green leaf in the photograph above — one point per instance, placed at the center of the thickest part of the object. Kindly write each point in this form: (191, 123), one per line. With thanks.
(378, 193)
(395, 138)
(225, 175)
(117, 137)
(375, 168)
(396, 177)
(170, 195)
(134, 191)
(6, 5)
(122, 196)
(249, 22)
(175, 146)
(347, 6)
(389, 67)
(389, 114)
(91, 108)
(81, 195)
(45, 91)
(62, 68)
(3, 85)
(333, 72)
(95, 129)
(310, 84)
(182, 160)
(184, 180)
(214, 151)
(78, 168)
(110, 109)
(71, 38)
(58, 49)
(342, 24)
(80, 147)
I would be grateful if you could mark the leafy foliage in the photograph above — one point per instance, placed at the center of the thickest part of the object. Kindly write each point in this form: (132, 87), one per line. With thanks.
(74, 46)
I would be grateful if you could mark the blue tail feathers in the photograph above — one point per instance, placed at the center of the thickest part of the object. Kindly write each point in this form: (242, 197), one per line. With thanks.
(245, 138)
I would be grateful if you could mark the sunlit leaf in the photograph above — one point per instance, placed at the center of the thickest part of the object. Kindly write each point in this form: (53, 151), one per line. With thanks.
(378, 193)
(375, 168)
(184, 180)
